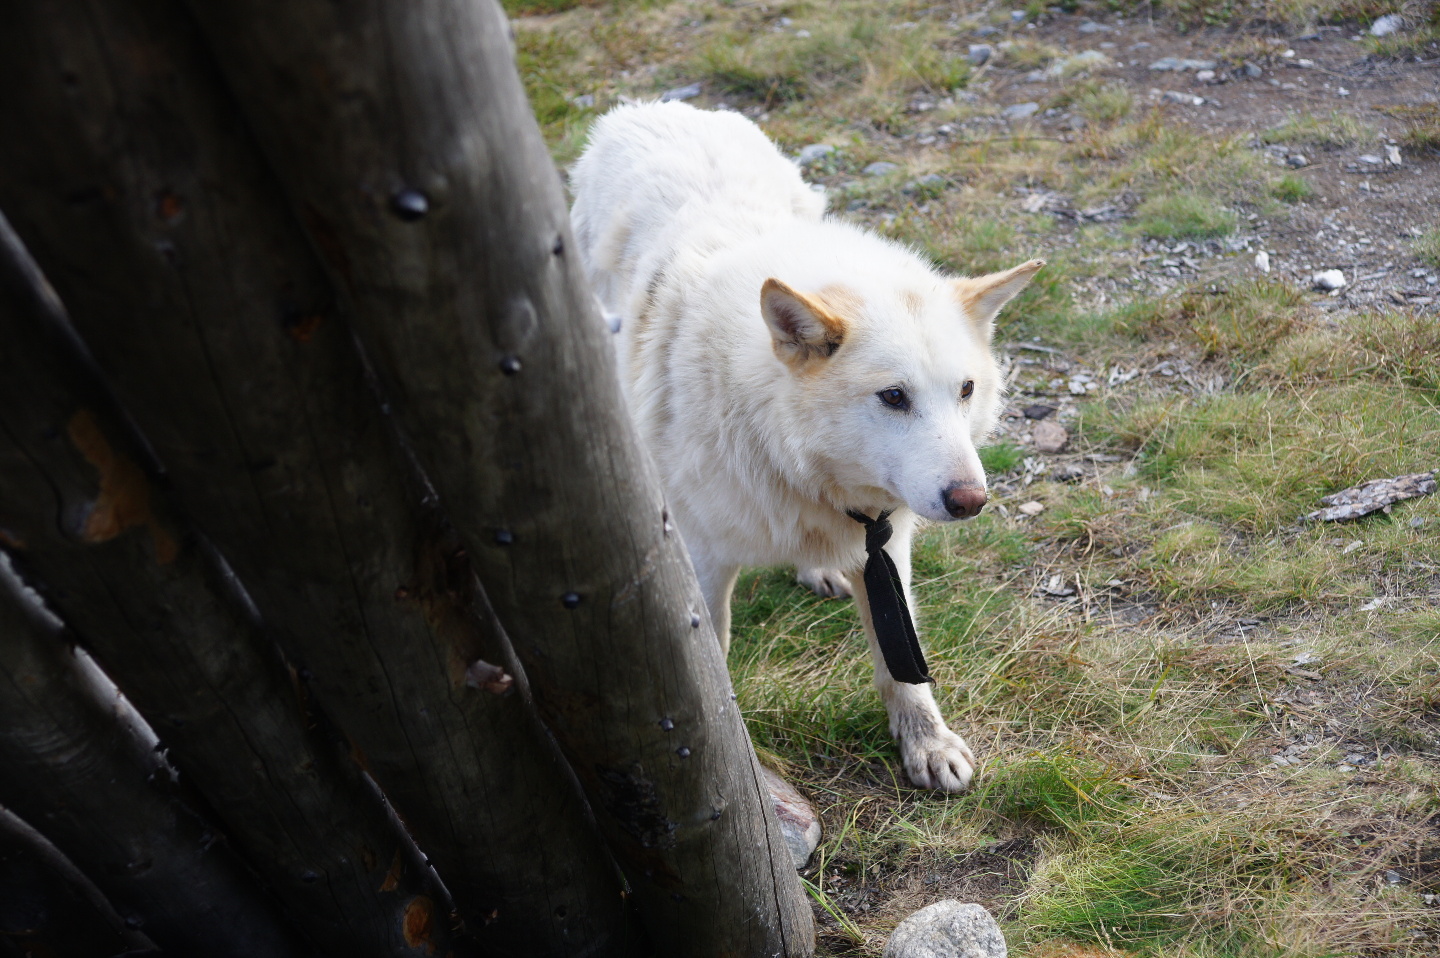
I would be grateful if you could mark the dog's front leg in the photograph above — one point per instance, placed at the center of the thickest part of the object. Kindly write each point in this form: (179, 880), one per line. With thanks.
(934, 756)
(717, 581)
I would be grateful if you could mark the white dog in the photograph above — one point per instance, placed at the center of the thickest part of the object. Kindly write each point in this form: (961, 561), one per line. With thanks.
(785, 369)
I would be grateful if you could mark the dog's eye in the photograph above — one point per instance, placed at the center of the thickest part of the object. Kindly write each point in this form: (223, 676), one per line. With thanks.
(894, 397)
(967, 389)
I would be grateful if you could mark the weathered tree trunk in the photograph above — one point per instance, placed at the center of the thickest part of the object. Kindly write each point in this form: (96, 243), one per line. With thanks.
(166, 620)
(402, 135)
(77, 768)
(46, 905)
(131, 176)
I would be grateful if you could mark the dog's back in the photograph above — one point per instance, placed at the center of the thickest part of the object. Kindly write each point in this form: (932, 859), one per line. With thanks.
(653, 172)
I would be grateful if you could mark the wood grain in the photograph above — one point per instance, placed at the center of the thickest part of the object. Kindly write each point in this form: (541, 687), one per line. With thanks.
(135, 183)
(402, 136)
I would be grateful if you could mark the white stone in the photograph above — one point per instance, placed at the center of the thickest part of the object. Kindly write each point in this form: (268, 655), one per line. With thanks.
(1328, 279)
(947, 929)
(815, 151)
(1262, 261)
(1189, 99)
(1388, 24)
(681, 93)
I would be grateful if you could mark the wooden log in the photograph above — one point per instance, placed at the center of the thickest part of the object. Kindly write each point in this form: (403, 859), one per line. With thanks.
(135, 184)
(47, 906)
(403, 137)
(86, 774)
(83, 514)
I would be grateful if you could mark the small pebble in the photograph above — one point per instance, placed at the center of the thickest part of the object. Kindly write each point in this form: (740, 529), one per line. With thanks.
(1020, 111)
(681, 93)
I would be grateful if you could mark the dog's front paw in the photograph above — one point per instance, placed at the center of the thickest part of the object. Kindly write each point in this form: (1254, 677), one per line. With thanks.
(830, 583)
(938, 758)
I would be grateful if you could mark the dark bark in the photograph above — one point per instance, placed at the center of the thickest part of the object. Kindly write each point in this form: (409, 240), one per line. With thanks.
(83, 771)
(402, 135)
(47, 906)
(132, 178)
(82, 512)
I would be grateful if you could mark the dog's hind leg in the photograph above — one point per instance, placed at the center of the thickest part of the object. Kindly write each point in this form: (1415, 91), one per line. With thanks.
(830, 583)
(934, 756)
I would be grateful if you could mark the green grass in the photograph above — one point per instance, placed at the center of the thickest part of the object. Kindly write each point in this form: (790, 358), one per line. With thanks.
(1241, 322)
(1001, 457)
(1105, 103)
(1427, 247)
(1183, 216)
(1331, 131)
(1292, 189)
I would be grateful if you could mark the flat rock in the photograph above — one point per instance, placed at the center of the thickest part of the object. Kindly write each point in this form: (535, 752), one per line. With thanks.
(681, 93)
(798, 821)
(1050, 436)
(813, 152)
(1019, 111)
(947, 929)
(1189, 99)
(930, 181)
(1038, 411)
(1179, 65)
(1372, 496)
(881, 168)
(980, 53)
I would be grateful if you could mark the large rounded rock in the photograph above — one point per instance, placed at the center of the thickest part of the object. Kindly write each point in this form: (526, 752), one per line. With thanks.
(947, 929)
(798, 821)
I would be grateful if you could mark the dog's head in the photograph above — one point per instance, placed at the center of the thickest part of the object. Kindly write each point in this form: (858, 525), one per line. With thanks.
(894, 387)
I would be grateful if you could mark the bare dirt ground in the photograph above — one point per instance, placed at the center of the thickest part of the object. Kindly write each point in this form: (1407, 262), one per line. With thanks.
(1365, 210)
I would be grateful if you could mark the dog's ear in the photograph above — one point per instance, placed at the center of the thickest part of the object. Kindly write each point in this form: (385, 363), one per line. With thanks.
(982, 296)
(803, 329)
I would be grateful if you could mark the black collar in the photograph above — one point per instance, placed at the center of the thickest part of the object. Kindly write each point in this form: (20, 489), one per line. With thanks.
(894, 629)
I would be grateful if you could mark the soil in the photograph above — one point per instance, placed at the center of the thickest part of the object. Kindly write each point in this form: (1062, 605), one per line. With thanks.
(1363, 215)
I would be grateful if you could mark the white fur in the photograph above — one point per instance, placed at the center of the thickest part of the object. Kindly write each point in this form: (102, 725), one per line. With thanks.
(681, 216)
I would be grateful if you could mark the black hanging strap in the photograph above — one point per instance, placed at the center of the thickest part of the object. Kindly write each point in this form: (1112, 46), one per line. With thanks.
(894, 629)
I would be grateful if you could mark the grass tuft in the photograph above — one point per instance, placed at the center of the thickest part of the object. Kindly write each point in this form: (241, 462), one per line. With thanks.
(1240, 322)
(1292, 189)
(1332, 131)
(1183, 216)
(1427, 247)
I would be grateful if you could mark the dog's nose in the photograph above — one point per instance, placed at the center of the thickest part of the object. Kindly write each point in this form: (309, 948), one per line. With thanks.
(964, 499)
